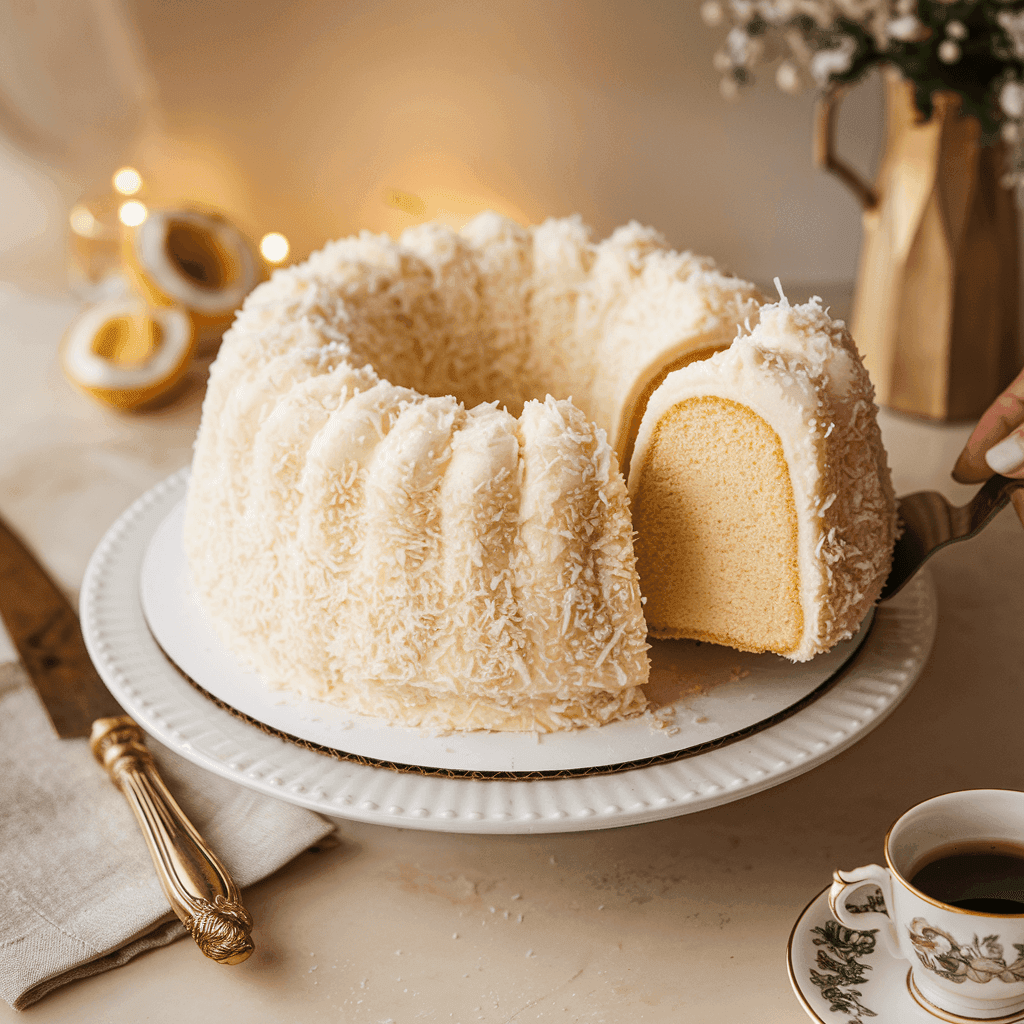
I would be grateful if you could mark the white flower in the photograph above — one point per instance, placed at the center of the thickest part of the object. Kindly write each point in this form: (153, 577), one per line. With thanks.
(906, 29)
(778, 12)
(825, 64)
(949, 51)
(721, 62)
(1011, 100)
(729, 88)
(873, 15)
(1013, 24)
(824, 11)
(956, 30)
(712, 12)
(799, 47)
(787, 78)
(742, 49)
(742, 10)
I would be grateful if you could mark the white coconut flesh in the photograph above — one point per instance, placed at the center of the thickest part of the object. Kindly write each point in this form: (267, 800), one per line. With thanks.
(201, 262)
(122, 345)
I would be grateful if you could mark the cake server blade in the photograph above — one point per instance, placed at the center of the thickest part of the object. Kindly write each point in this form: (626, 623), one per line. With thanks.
(45, 631)
(929, 523)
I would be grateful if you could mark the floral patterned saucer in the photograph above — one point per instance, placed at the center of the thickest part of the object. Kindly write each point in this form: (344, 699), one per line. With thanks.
(848, 977)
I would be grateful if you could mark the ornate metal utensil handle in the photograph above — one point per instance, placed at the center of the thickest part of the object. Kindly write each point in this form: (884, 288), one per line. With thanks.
(196, 883)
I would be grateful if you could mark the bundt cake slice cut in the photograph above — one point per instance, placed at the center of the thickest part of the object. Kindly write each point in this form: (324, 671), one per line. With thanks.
(761, 496)
(665, 310)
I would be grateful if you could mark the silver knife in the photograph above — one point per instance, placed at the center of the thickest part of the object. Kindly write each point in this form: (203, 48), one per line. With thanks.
(45, 631)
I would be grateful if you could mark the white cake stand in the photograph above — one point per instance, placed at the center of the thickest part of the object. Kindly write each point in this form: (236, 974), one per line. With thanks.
(342, 765)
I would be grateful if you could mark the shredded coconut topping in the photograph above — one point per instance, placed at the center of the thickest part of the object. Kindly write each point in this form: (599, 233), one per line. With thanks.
(389, 510)
(366, 525)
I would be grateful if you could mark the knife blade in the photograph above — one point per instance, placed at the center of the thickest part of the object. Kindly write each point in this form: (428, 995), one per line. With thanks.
(46, 634)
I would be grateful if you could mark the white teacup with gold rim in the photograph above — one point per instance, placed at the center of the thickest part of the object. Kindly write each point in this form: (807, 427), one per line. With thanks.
(954, 902)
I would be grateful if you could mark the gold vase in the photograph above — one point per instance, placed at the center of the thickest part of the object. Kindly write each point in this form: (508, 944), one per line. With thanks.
(935, 312)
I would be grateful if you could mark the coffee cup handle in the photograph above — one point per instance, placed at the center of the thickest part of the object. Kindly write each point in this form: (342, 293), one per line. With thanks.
(846, 883)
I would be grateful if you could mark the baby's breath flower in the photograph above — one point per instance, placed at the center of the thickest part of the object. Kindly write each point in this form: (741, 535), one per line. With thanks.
(721, 62)
(1012, 23)
(822, 42)
(742, 49)
(778, 12)
(826, 64)
(729, 87)
(1011, 100)
(743, 10)
(712, 13)
(787, 78)
(907, 29)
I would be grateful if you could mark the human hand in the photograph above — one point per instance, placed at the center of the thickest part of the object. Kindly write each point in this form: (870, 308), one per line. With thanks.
(997, 444)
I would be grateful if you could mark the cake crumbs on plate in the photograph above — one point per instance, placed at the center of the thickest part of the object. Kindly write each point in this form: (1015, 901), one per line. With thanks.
(663, 718)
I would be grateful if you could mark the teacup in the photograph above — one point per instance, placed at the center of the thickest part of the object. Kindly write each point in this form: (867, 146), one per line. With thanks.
(965, 964)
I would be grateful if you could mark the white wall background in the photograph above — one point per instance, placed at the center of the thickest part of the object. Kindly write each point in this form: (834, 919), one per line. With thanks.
(300, 116)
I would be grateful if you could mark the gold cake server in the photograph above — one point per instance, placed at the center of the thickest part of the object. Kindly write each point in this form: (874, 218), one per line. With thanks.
(45, 631)
(929, 522)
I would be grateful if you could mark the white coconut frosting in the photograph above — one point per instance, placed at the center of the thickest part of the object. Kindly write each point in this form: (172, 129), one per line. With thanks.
(367, 526)
(799, 370)
(389, 510)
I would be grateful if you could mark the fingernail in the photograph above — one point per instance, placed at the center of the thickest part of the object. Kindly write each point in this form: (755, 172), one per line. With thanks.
(962, 470)
(1007, 456)
(970, 468)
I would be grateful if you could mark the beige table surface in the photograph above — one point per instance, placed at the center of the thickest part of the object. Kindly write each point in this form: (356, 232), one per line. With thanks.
(681, 920)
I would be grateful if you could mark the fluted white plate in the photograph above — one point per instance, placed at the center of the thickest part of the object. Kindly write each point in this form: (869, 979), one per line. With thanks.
(710, 693)
(149, 687)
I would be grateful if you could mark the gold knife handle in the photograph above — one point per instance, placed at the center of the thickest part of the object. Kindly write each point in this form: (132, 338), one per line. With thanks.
(196, 883)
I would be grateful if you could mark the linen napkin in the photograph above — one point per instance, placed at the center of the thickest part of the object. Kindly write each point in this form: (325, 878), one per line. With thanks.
(78, 892)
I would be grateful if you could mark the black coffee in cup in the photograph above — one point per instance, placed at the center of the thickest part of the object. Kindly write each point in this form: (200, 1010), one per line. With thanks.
(986, 876)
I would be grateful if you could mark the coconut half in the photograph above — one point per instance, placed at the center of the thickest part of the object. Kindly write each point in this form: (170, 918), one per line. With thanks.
(125, 353)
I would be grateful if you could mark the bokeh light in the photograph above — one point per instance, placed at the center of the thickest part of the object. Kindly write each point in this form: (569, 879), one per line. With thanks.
(82, 221)
(127, 181)
(132, 213)
(274, 247)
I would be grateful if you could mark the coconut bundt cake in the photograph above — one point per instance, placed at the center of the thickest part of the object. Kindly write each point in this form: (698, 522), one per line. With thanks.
(764, 511)
(387, 508)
